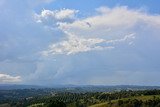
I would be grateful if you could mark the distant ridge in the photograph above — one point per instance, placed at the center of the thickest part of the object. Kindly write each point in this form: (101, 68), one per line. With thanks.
(18, 86)
(82, 87)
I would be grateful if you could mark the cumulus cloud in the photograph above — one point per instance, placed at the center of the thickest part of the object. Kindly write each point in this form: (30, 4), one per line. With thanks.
(106, 27)
(111, 21)
(128, 37)
(76, 44)
(5, 78)
(22, 39)
(134, 35)
(53, 18)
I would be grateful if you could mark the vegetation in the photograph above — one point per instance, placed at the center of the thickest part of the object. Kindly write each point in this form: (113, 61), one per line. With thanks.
(57, 98)
(138, 101)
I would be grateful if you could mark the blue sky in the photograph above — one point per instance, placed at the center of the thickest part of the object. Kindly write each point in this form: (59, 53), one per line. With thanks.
(96, 42)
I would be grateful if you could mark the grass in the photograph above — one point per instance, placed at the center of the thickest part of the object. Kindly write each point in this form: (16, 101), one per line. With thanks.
(37, 105)
(143, 98)
(5, 105)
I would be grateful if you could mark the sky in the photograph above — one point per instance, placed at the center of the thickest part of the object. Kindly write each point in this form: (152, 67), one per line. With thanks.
(80, 42)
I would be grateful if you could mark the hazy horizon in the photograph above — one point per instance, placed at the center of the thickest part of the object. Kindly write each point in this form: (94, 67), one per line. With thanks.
(93, 42)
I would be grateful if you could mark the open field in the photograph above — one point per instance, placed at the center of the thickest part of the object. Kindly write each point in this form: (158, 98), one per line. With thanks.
(143, 98)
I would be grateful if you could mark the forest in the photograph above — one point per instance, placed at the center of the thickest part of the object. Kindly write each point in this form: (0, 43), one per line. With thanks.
(62, 97)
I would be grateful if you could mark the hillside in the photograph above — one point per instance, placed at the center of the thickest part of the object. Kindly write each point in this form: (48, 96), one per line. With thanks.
(125, 101)
(77, 97)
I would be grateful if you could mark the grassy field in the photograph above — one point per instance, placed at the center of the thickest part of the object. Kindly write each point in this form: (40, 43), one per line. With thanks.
(37, 105)
(143, 98)
(5, 105)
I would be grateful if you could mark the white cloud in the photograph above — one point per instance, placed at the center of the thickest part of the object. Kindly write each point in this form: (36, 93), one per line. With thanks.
(76, 44)
(111, 21)
(65, 14)
(52, 18)
(125, 38)
(134, 35)
(5, 78)
(107, 27)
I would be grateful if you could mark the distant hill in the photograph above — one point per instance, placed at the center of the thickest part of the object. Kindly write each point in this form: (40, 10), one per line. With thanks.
(17, 86)
(88, 88)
